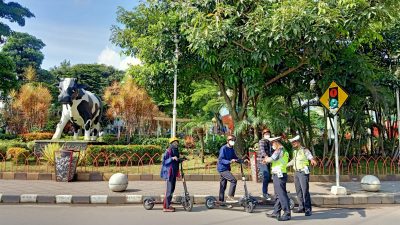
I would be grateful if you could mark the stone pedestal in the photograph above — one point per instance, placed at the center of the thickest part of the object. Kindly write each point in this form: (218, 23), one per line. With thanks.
(338, 190)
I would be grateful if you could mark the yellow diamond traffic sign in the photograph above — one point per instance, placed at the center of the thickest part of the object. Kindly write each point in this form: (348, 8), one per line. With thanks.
(334, 97)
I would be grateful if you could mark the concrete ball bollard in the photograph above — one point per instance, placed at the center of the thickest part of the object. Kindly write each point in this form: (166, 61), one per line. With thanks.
(370, 183)
(118, 182)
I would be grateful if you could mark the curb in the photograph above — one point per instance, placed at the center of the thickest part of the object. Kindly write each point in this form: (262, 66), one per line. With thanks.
(100, 176)
(316, 200)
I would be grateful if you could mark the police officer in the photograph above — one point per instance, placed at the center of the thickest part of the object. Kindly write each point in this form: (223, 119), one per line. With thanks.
(279, 160)
(300, 163)
(264, 150)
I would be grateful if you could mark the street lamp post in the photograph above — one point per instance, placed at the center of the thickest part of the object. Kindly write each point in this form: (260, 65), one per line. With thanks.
(176, 41)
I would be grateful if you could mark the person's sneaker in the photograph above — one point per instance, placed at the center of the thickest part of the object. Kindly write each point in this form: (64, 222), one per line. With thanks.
(272, 215)
(169, 210)
(267, 197)
(285, 217)
(299, 211)
(308, 213)
(230, 199)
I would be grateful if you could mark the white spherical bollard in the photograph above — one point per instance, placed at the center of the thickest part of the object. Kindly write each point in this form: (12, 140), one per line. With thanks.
(118, 182)
(370, 183)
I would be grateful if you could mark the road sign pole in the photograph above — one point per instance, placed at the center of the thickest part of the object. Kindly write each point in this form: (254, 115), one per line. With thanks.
(337, 189)
(336, 149)
(333, 99)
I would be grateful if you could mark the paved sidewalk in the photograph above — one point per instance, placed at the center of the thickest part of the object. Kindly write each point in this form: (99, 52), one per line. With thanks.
(17, 191)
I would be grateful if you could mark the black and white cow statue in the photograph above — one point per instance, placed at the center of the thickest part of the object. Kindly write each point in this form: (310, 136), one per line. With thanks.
(81, 107)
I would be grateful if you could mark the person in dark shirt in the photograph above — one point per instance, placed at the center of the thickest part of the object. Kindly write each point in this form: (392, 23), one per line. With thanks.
(226, 157)
(170, 171)
(264, 150)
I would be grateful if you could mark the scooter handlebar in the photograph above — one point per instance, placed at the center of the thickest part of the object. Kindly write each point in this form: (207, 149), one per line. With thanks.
(180, 160)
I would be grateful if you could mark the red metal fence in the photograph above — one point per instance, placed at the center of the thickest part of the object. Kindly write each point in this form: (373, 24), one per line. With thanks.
(150, 164)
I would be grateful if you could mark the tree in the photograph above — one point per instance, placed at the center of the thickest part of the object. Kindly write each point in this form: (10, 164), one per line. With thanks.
(25, 51)
(249, 48)
(7, 75)
(95, 77)
(13, 12)
(29, 107)
(131, 104)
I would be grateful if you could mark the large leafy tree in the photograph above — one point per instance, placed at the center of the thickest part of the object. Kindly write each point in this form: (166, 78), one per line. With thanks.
(7, 74)
(96, 77)
(25, 51)
(248, 48)
(12, 12)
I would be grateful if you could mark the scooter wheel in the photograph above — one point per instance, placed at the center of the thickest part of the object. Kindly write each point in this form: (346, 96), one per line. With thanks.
(187, 204)
(210, 203)
(250, 207)
(148, 204)
(291, 204)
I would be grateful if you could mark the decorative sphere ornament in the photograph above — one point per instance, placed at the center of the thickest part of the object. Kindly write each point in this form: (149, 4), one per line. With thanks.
(370, 183)
(118, 182)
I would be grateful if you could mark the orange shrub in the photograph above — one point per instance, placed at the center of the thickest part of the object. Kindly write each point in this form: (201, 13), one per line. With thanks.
(17, 154)
(36, 136)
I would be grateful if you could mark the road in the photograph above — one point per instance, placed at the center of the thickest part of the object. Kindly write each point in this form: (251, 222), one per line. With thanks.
(135, 214)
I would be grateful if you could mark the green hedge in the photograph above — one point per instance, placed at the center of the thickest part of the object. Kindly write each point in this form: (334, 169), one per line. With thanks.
(119, 150)
(213, 144)
(6, 144)
(7, 136)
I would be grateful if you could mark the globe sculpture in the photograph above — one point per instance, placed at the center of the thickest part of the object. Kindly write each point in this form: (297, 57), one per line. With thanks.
(118, 182)
(370, 183)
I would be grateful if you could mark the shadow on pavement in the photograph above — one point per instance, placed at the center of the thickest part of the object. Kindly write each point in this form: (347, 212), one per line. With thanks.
(331, 214)
(132, 190)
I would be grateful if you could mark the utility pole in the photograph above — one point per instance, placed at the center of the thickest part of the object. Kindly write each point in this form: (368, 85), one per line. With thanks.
(176, 41)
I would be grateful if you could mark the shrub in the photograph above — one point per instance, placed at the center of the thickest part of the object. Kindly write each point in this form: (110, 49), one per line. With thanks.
(7, 136)
(213, 144)
(18, 155)
(109, 139)
(48, 152)
(36, 136)
(162, 142)
(5, 145)
(116, 152)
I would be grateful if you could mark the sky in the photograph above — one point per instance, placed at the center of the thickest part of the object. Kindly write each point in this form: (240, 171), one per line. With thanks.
(76, 30)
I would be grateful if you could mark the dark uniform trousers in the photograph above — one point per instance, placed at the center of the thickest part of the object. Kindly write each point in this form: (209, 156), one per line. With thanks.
(223, 180)
(281, 196)
(170, 190)
(301, 181)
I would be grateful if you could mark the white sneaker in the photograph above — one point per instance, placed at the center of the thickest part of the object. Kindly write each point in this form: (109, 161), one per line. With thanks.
(230, 199)
(267, 197)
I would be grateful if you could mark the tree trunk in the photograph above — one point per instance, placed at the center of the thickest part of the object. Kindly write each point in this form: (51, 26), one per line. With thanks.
(200, 133)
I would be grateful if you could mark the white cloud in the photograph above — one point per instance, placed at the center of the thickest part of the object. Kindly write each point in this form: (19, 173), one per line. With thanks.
(112, 58)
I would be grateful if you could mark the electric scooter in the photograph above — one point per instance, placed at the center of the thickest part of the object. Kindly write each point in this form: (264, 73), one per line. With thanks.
(263, 201)
(184, 200)
(248, 202)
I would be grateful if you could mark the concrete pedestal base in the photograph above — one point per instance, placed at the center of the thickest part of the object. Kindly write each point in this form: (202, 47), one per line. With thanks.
(338, 190)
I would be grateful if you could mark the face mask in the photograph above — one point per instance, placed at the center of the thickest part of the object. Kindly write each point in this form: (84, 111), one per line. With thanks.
(231, 143)
(267, 136)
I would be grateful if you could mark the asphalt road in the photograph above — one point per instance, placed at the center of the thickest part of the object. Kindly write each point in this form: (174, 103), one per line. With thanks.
(135, 214)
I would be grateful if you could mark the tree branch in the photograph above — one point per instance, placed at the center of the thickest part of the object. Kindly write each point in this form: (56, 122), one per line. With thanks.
(228, 100)
(242, 46)
(286, 72)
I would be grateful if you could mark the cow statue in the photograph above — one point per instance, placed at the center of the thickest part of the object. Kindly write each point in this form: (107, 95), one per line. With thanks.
(81, 107)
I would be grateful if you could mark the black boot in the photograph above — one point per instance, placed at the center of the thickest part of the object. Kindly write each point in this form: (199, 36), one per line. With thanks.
(285, 217)
(308, 213)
